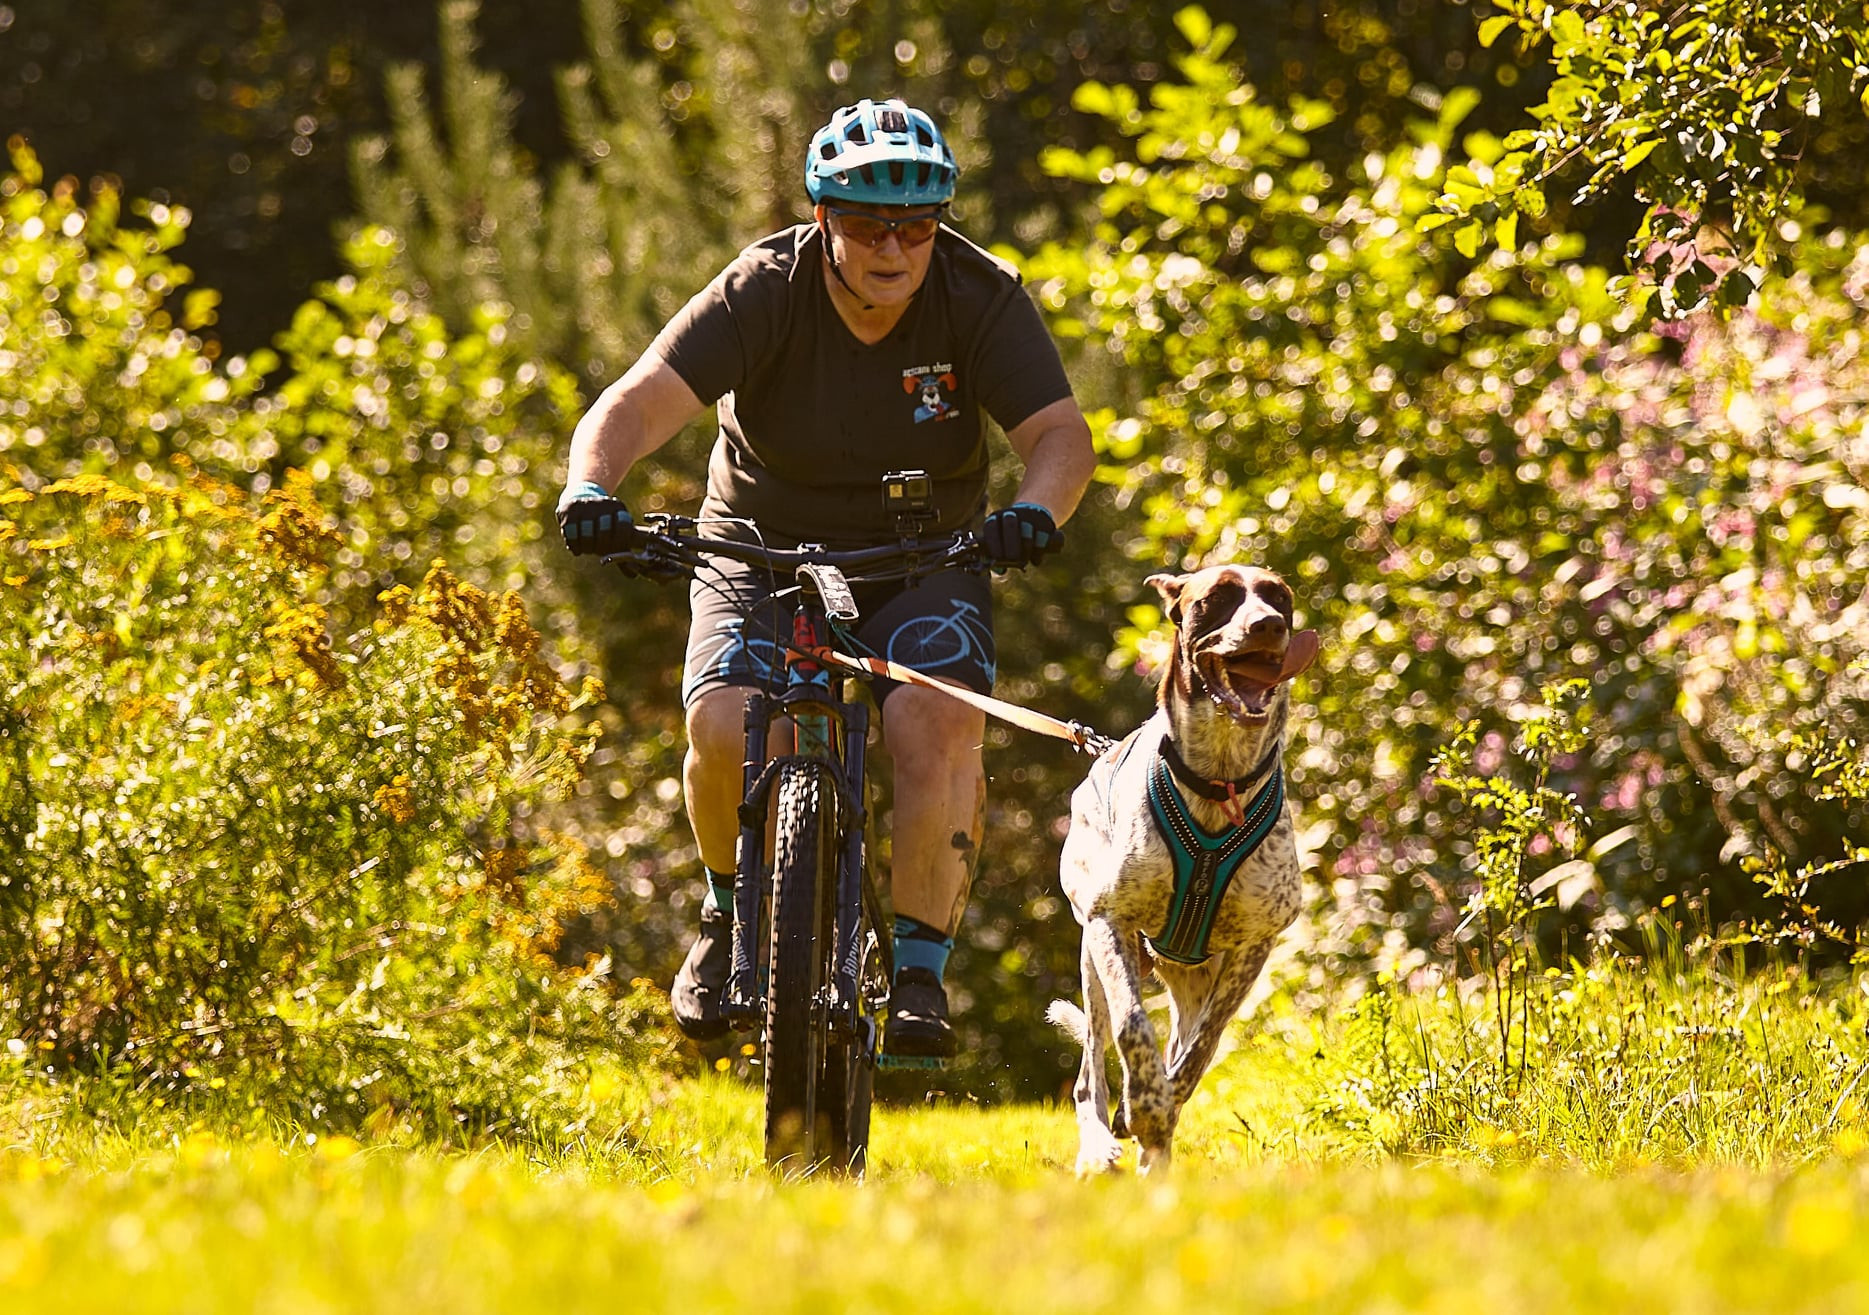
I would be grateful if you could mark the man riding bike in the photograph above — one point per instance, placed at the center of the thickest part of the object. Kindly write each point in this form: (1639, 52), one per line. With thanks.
(873, 339)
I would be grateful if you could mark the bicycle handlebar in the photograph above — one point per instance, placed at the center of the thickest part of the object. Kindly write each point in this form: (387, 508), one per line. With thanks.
(673, 546)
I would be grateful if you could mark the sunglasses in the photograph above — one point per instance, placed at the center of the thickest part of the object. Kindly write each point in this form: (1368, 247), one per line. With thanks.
(873, 230)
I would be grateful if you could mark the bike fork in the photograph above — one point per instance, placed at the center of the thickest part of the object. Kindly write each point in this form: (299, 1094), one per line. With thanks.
(848, 943)
(744, 1006)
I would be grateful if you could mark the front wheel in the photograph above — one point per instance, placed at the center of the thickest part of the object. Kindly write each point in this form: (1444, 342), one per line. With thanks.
(801, 1129)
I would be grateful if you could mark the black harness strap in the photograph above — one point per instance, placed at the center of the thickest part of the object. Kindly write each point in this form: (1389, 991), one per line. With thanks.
(1225, 793)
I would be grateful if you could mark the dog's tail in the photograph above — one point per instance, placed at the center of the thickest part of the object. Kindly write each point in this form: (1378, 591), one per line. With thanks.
(1069, 1019)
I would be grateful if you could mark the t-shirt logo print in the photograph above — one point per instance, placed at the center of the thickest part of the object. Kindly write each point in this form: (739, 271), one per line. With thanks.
(931, 386)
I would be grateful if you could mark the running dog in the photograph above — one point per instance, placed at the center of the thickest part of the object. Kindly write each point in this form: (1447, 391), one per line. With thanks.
(1181, 857)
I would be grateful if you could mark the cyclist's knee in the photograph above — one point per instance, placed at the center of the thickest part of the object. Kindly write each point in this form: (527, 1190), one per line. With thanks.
(717, 724)
(927, 723)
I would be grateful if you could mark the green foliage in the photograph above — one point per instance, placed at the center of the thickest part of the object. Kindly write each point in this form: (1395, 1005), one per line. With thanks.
(424, 442)
(1837, 769)
(1515, 822)
(243, 850)
(1706, 108)
(97, 368)
(1680, 1057)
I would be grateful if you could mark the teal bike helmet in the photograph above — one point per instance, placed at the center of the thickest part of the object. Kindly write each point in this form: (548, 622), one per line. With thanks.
(882, 152)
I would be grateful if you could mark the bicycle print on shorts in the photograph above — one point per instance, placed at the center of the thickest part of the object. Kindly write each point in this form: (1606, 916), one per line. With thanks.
(729, 654)
(928, 643)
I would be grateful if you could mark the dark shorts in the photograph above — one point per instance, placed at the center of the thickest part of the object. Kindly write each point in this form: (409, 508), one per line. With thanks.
(940, 626)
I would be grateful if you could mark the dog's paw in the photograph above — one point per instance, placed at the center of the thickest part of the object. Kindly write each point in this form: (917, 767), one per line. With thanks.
(1098, 1153)
(1069, 1019)
(1153, 1161)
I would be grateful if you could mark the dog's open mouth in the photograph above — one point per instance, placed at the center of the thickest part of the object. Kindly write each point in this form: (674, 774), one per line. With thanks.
(1242, 685)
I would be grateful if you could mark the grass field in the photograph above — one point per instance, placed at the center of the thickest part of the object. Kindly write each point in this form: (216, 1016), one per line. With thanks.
(1273, 1207)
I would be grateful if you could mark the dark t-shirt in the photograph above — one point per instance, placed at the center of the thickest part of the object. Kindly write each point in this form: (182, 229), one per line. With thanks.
(811, 419)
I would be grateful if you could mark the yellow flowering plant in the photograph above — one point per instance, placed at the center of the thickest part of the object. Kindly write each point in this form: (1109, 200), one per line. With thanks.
(243, 849)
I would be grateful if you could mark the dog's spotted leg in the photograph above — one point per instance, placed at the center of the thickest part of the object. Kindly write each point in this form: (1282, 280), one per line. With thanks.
(1148, 1111)
(1098, 1150)
(1230, 988)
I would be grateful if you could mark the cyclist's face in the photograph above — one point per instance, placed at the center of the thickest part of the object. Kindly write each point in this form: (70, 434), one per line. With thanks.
(885, 264)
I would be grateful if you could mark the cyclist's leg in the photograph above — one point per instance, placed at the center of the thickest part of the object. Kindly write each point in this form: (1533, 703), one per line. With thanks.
(940, 800)
(729, 652)
(711, 772)
(941, 628)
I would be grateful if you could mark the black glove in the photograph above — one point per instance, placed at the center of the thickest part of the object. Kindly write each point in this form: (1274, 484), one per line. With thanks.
(1021, 534)
(595, 522)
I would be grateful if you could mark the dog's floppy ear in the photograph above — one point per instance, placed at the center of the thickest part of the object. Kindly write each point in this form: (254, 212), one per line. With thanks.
(1169, 587)
(1300, 653)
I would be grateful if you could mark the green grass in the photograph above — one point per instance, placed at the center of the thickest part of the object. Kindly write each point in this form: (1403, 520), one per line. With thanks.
(995, 1225)
(1705, 1156)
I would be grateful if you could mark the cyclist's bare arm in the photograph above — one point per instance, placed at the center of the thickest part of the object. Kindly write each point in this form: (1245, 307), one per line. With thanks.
(630, 419)
(1054, 443)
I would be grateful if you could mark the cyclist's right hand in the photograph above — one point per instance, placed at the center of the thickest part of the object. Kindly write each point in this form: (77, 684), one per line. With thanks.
(593, 521)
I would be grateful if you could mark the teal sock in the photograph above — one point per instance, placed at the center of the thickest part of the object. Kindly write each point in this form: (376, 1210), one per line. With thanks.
(719, 898)
(920, 946)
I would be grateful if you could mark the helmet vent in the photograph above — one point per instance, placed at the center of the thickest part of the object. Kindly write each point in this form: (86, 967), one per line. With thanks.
(888, 120)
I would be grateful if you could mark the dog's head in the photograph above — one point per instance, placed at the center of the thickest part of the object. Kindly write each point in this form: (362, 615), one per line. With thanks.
(1234, 640)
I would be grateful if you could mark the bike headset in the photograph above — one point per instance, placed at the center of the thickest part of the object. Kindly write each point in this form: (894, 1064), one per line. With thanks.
(877, 153)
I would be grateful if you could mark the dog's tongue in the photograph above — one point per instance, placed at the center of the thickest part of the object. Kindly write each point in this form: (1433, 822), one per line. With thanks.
(1242, 687)
(1253, 693)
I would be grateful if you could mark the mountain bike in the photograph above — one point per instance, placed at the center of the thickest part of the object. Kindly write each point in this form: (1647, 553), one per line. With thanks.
(811, 964)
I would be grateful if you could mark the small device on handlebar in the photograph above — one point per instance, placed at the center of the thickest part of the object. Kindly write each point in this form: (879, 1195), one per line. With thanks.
(833, 590)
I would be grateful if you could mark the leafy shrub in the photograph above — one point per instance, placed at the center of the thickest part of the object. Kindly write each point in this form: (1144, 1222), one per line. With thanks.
(242, 849)
(98, 365)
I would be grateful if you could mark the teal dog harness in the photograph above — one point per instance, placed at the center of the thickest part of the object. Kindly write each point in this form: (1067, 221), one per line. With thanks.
(1205, 862)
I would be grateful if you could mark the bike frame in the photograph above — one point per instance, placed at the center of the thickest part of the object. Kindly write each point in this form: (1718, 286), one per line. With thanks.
(831, 735)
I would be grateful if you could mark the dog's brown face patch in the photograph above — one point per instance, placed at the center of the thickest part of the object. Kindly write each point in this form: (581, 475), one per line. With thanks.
(1236, 637)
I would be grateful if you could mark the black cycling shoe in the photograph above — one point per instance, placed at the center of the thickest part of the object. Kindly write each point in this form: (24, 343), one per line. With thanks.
(918, 1023)
(700, 987)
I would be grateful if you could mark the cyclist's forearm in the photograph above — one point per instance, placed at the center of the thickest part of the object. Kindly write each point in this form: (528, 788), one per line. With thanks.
(629, 420)
(605, 444)
(1059, 460)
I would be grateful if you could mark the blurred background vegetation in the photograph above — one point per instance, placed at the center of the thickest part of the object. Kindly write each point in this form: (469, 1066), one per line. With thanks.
(397, 247)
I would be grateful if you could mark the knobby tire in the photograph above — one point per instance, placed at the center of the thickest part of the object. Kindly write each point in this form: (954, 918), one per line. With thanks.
(806, 1114)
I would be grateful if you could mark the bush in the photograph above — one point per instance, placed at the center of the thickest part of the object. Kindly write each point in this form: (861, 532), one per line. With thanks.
(242, 850)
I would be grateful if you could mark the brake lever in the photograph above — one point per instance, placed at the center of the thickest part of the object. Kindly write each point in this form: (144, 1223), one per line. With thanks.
(967, 551)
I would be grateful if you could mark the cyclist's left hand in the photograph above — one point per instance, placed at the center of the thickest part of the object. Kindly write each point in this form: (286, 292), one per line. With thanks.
(1021, 535)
